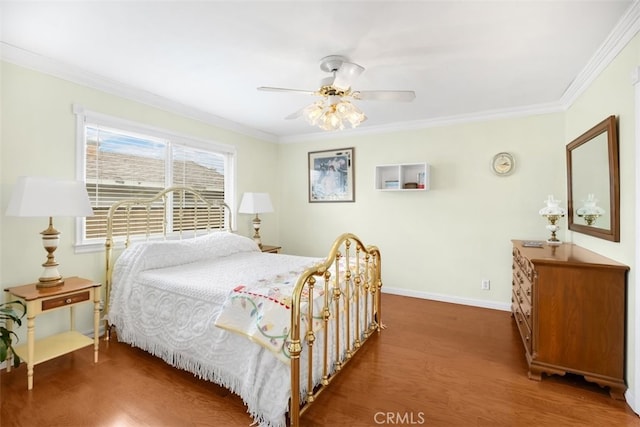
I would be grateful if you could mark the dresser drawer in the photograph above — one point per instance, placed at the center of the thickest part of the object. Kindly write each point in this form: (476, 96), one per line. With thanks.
(521, 295)
(525, 265)
(521, 284)
(525, 309)
(523, 326)
(65, 300)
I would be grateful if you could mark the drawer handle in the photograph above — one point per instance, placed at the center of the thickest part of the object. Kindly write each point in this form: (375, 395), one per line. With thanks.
(68, 301)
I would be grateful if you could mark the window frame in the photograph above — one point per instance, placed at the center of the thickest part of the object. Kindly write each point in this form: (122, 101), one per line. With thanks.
(229, 152)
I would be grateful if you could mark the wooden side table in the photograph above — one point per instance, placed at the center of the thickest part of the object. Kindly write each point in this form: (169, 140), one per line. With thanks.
(74, 291)
(271, 249)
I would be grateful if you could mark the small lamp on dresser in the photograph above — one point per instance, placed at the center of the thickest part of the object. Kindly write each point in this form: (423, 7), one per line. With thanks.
(256, 203)
(552, 212)
(48, 197)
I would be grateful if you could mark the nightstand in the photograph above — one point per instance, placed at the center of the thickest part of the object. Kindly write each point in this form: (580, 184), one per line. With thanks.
(74, 291)
(271, 249)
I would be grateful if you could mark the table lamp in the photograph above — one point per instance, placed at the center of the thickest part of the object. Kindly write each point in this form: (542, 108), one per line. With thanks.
(48, 197)
(552, 212)
(256, 203)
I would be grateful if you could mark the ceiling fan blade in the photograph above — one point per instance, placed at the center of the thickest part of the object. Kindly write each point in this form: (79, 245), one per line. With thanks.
(346, 75)
(281, 89)
(295, 115)
(385, 95)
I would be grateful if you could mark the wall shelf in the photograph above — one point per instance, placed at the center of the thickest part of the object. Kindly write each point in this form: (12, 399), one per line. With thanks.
(403, 177)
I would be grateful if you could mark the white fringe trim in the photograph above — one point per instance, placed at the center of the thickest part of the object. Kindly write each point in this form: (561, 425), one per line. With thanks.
(209, 373)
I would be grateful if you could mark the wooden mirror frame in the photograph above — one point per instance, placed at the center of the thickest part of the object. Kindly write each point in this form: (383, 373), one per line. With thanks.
(608, 126)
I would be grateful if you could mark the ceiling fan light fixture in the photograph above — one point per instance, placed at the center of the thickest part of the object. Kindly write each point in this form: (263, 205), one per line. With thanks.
(350, 112)
(313, 112)
(330, 120)
(334, 107)
(332, 113)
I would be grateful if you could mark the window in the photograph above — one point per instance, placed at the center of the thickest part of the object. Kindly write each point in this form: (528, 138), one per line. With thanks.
(124, 160)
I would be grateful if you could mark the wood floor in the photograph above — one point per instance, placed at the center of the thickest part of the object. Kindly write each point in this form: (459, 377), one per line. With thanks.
(436, 364)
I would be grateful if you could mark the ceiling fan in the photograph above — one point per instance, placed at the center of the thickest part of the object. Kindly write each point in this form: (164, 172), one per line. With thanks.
(334, 108)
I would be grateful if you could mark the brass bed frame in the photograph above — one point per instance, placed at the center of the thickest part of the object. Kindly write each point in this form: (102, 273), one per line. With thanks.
(366, 283)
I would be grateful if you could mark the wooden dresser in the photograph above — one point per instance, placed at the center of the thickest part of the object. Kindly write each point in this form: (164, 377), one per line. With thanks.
(569, 304)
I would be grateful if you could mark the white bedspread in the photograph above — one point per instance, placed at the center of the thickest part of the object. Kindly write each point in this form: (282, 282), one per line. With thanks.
(165, 301)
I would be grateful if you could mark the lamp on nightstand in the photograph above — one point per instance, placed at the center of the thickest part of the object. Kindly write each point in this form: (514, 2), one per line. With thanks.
(49, 197)
(256, 203)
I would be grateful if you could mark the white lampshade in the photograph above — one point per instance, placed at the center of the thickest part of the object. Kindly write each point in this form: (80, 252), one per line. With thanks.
(49, 197)
(255, 203)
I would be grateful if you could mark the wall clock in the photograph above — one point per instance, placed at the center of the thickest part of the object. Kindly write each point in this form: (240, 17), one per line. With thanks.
(503, 164)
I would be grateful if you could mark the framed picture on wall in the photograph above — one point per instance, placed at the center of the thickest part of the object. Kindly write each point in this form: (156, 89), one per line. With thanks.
(331, 176)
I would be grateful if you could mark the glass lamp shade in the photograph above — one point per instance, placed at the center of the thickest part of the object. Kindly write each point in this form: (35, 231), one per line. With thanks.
(552, 207)
(332, 113)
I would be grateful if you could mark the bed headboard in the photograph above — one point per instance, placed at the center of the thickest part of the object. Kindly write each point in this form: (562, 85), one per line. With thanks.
(174, 212)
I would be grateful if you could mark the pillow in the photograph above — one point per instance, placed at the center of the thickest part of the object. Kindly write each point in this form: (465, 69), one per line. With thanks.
(168, 253)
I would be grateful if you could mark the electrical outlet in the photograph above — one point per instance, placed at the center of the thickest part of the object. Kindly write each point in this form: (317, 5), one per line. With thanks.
(486, 284)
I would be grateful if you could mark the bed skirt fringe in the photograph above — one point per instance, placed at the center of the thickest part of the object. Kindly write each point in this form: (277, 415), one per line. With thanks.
(181, 361)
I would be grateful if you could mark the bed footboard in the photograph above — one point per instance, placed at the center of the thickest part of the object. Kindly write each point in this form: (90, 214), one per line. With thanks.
(350, 280)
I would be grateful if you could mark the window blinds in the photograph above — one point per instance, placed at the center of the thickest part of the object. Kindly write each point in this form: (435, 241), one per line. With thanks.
(122, 165)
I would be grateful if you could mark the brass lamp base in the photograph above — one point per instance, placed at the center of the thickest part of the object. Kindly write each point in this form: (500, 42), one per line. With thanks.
(553, 227)
(256, 229)
(50, 276)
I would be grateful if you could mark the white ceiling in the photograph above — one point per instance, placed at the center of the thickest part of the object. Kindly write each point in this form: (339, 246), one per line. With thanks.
(463, 59)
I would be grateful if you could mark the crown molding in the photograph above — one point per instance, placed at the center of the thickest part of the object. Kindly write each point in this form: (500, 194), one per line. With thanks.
(36, 62)
(620, 36)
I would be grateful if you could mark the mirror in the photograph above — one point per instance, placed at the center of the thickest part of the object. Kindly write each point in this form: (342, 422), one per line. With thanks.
(593, 182)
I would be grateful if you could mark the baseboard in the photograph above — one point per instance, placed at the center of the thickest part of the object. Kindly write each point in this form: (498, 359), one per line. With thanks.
(448, 298)
(630, 398)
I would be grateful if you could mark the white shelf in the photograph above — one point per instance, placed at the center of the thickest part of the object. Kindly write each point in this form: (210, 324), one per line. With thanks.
(397, 177)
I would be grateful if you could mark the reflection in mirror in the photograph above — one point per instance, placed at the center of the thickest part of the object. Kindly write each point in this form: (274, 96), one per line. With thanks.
(591, 177)
(593, 182)
(590, 211)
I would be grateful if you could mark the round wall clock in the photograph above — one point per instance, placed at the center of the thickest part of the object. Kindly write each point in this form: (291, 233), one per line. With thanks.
(503, 164)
